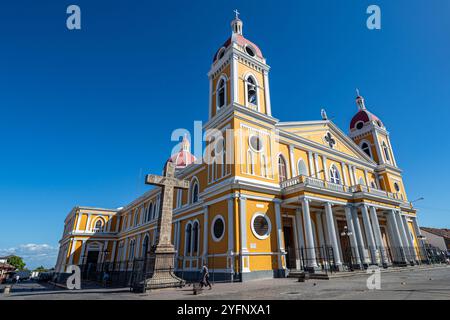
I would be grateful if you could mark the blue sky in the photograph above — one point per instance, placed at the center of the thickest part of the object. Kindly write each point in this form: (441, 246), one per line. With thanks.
(85, 114)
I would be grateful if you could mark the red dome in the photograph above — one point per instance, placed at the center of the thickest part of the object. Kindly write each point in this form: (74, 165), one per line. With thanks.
(243, 42)
(364, 116)
(182, 159)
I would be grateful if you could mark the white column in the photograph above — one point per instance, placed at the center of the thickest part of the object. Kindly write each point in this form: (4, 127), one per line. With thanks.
(72, 250)
(88, 222)
(378, 237)
(245, 261)
(366, 177)
(344, 173)
(79, 216)
(205, 233)
(350, 173)
(292, 161)
(210, 97)
(410, 239)
(369, 233)
(83, 249)
(401, 229)
(351, 228)
(279, 234)
(320, 228)
(267, 92)
(359, 237)
(420, 242)
(332, 233)
(300, 234)
(354, 175)
(113, 252)
(325, 168)
(396, 233)
(392, 150)
(311, 164)
(310, 251)
(316, 162)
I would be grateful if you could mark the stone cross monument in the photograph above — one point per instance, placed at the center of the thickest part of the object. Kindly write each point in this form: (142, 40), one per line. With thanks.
(162, 254)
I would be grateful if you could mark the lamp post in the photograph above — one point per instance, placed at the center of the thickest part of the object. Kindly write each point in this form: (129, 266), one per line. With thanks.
(348, 233)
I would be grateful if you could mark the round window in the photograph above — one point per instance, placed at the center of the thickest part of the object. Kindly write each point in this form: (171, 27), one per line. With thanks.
(397, 187)
(359, 125)
(261, 226)
(256, 143)
(250, 51)
(218, 228)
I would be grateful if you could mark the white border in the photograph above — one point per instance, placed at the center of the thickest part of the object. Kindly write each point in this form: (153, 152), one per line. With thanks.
(217, 217)
(269, 230)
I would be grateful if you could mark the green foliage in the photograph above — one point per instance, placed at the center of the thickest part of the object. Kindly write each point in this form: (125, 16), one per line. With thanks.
(16, 262)
(40, 269)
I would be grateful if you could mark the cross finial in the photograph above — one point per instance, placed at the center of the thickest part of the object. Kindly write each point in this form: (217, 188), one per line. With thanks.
(236, 12)
(357, 92)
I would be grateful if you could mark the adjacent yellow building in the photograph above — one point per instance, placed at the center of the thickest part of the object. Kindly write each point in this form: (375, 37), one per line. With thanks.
(270, 197)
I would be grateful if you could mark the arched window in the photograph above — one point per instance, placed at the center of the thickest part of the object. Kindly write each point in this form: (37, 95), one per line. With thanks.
(194, 191)
(195, 238)
(335, 176)
(361, 181)
(98, 225)
(282, 169)
(386, 152)
(252, 93)
(366, 148)
(132, 247)
(188, 241)
(301, 166)
(145, 246)
(221, 93)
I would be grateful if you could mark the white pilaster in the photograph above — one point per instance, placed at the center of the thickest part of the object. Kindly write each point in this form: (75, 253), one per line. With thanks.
(344, 173)
(245, 261)
(230, 225)
(82, 252)
(300, 233)
(325, 168)
(311, 164)
(280, 246)
(316, 163)
(234, 80)
(205, 233)
(267, 93)
(292, 161)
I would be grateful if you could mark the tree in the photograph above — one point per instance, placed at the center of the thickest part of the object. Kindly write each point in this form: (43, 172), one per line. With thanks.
(16, 262)
(40, 269)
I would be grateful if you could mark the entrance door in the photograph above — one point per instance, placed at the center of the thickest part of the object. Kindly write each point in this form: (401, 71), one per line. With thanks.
(386, 245)
(345, 243)
(289, 243)
(92, 257)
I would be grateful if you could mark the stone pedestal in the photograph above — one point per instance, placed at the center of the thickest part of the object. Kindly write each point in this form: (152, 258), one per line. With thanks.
(161, 268)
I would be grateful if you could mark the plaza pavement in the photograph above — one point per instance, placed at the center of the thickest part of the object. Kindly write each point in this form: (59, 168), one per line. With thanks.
(410, 283)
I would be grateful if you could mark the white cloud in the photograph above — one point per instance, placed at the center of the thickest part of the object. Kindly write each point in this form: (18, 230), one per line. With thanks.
(34, 254)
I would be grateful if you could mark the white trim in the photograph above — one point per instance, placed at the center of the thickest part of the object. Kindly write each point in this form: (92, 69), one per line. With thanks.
(218, 217)
(269, 230)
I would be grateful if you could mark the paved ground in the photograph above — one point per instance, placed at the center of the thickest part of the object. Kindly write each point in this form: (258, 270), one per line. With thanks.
(408, 284)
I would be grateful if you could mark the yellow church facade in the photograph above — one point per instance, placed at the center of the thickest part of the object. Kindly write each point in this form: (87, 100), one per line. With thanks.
(270, 197)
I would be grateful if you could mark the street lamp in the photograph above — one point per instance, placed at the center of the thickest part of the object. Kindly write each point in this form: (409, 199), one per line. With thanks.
(348, 233)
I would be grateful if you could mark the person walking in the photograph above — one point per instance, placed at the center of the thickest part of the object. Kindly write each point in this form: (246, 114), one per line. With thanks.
(205, 278)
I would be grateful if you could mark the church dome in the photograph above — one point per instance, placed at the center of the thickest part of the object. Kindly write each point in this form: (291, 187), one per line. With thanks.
(237, 37)
(363, 116)
(184, 157)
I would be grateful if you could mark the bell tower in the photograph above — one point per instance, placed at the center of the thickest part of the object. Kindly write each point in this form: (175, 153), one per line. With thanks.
(370, 134)
(239, 75)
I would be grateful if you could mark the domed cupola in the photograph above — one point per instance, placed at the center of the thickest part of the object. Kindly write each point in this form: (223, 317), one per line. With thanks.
(363, 117)
(238, 39)
(184, 157)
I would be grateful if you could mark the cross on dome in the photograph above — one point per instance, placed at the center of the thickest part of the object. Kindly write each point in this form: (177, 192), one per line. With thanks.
(237, 13)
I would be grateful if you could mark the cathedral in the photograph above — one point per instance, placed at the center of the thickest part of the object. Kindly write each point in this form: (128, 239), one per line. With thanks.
(277, 197)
